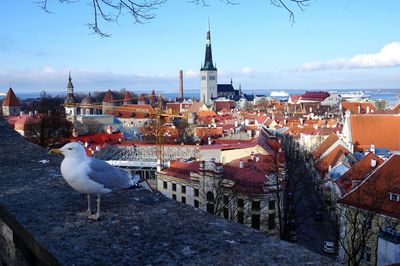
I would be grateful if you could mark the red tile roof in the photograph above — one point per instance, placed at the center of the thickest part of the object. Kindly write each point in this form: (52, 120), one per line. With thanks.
(381, 130)
(221, 105)
(358, 107)
(127, 96)
(11, 99)
(373, 193)
(315, 95)
(324, 146)
(98, 139)
(205, 132)
(331, 159)
(109, 97)
(358, 171)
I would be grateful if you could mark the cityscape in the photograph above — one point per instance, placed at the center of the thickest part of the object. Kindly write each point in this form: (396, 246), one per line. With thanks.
(204, 166)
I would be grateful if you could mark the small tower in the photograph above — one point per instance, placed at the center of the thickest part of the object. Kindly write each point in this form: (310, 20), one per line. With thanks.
(110, 100)
(208, 73)
(69, 104)
(11, 105)
(127, 98)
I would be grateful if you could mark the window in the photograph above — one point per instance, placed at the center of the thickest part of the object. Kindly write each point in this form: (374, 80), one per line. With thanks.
(240, 203)
(226, 212)
(210, 202)
(183, 200)
(183, 189)
(173, 187)
(394, 196)
(255, 206)
(196, 203)
(173, 196)
(240, 217)
(165, 185)
(196, 192)
(271, 221)
(271, 205)
(255, 221)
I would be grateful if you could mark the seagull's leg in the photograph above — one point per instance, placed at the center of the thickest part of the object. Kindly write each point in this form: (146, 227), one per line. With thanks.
(89, 211)
(97, 215)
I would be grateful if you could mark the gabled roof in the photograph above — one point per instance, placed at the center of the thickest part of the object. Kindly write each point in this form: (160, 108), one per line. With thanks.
(381, 130)
(109, 97)
(11, 99)
(373, 193)
(315, 95)
(358, 107)
(324, 146)
(331, 159)
(127, 96)
(359, 171)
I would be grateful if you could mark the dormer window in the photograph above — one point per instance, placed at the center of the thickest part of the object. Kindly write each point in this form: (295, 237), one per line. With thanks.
(394, 196)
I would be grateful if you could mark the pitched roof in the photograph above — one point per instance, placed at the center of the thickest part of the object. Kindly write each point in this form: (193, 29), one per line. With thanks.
(324, 146)
(358, 107)
(109, 97)
(373, 193)
(226, 88)
(359, 171)
(127, 96)
(331, 159)
(315, 95)
(381, 130)
(11, 99)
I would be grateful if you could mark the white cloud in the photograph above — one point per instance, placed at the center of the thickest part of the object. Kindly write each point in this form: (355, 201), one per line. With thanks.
(191, 74)
(388, 56)
(247, 70)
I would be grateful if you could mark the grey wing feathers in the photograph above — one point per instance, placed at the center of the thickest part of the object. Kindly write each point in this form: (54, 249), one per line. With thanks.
(109, 176)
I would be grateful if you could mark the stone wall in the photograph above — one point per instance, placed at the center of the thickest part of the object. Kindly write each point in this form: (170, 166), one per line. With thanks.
(44, 222)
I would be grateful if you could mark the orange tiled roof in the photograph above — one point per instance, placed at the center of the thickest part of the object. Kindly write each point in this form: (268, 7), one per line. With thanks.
(109, 97)
(11, 99)
(208, 131)
(324, 146)
(358, 107)
(359, 171)
(127, 96)
(381, 130)
(332, 159)
(373, 193)
(202, 114)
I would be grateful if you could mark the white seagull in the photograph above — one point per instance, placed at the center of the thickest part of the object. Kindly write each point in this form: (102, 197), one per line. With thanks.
(92, 176)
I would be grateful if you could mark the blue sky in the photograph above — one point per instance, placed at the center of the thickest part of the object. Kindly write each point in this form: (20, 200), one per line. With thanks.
(337, 44)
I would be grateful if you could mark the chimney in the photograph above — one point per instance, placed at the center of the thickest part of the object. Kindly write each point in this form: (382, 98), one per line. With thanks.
(236, 123)
(367, 109)
(209, 141)
(257, 158)
(359, 109)
(372, 149)
(30, 113)
(252, 156)
(97, 148)
(373, 163)
(21, 113)
(181, 84)
(241, 164)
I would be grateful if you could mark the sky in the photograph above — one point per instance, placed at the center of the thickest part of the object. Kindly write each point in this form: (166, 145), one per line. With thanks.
(341, 44)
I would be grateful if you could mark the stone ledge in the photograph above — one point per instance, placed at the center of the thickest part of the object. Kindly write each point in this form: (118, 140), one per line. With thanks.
(49, 224)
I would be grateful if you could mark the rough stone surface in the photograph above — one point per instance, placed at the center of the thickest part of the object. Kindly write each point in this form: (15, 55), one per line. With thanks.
(137, 227)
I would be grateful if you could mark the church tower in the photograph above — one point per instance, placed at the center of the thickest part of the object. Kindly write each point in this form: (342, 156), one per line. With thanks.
(69, 104)
(208, 73)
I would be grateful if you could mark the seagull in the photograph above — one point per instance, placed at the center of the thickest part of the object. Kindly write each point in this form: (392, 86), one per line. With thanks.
(92, 176)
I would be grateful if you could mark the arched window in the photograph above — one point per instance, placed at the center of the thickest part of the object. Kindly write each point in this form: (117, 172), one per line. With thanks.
(210, 202)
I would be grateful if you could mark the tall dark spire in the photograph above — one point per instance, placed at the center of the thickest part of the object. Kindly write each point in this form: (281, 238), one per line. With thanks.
(70, 90)
(208, 63)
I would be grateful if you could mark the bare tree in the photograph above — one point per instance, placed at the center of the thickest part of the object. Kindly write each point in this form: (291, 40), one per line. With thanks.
(141, 11)
(358, 227)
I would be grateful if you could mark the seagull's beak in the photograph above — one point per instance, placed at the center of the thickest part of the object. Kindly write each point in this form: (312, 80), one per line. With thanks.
(55, 151)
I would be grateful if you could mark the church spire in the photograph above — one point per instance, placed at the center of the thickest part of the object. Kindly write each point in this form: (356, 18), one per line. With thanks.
(208, 63)
(70, 90)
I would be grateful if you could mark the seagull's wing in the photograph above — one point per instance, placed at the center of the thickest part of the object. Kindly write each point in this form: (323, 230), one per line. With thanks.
(109, 176)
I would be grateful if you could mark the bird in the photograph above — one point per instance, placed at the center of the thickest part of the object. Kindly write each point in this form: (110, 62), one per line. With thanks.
(92, 176)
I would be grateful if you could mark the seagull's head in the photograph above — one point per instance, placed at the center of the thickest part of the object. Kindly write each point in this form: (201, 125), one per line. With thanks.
(71, 150)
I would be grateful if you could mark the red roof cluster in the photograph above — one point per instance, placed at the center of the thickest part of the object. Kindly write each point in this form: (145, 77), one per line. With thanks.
(315, 95)
(373, 194)
(100, 140)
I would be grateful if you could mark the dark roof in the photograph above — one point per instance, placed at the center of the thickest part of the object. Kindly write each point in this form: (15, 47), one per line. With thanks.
(208, 63)
(315, 95)
(11, 99)
(227, 88)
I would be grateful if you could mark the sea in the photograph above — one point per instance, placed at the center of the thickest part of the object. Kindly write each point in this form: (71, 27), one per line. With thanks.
(389, 95)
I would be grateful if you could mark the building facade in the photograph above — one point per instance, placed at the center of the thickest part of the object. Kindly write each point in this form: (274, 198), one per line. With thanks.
(208, 74)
